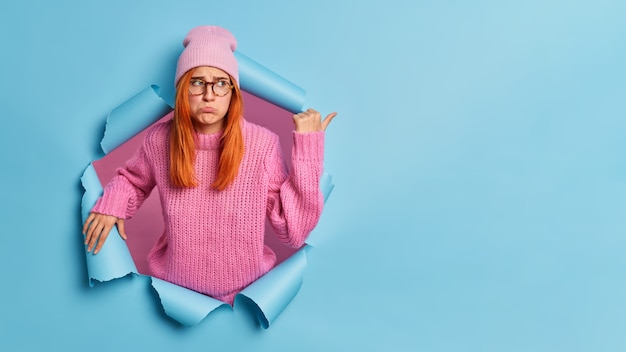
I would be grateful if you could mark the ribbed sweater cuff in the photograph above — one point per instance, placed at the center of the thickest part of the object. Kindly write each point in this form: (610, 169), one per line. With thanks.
(112, 203)
(308, 146)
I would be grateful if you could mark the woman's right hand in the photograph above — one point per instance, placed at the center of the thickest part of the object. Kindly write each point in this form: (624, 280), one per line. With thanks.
(97, 227)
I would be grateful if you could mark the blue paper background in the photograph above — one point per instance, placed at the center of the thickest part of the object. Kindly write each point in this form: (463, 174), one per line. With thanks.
(478, 162)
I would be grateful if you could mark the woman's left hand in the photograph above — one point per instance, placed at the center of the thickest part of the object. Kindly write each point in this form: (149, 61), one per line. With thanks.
(311, 121)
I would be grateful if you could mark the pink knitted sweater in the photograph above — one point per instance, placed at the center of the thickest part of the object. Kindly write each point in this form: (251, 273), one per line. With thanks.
(213, 241)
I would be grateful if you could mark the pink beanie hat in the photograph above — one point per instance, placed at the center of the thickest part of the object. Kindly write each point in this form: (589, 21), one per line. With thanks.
(208, 46)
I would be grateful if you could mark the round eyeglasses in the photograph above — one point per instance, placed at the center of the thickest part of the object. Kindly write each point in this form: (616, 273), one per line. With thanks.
(219, 88)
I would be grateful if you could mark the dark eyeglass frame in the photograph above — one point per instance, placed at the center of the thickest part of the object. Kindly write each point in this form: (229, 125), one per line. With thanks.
(212, 84)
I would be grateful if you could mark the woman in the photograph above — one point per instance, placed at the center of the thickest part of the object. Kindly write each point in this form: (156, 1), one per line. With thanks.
(219, 177)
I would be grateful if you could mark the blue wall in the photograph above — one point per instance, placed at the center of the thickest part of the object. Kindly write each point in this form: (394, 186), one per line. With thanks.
(478, 158)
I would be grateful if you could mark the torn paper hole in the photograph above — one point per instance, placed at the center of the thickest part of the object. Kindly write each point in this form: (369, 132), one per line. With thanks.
(125, 125)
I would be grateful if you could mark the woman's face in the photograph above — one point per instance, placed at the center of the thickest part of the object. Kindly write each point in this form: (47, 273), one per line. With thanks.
(208, 110)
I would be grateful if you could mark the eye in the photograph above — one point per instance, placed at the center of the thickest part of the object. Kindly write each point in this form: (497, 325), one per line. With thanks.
(196, 83)
(222, 84)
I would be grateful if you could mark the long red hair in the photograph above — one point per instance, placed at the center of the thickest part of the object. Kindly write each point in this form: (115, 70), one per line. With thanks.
(183, 141)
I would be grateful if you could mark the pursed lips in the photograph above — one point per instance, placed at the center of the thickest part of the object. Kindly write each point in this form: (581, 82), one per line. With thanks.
(208, 109)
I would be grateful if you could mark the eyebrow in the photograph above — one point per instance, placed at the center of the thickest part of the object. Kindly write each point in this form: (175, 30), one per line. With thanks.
(216, 78)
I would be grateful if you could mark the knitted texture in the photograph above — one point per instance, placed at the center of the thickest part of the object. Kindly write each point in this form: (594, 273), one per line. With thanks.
(208, 46)
(213, 241)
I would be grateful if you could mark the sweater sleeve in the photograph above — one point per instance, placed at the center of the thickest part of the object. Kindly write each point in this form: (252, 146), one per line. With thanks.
(125, 193)
(295, 201)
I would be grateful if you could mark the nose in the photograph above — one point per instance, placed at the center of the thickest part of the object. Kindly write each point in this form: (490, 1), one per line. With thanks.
(208, 93)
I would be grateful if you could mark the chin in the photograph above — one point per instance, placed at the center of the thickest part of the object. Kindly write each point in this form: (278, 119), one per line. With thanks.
(201, 124)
